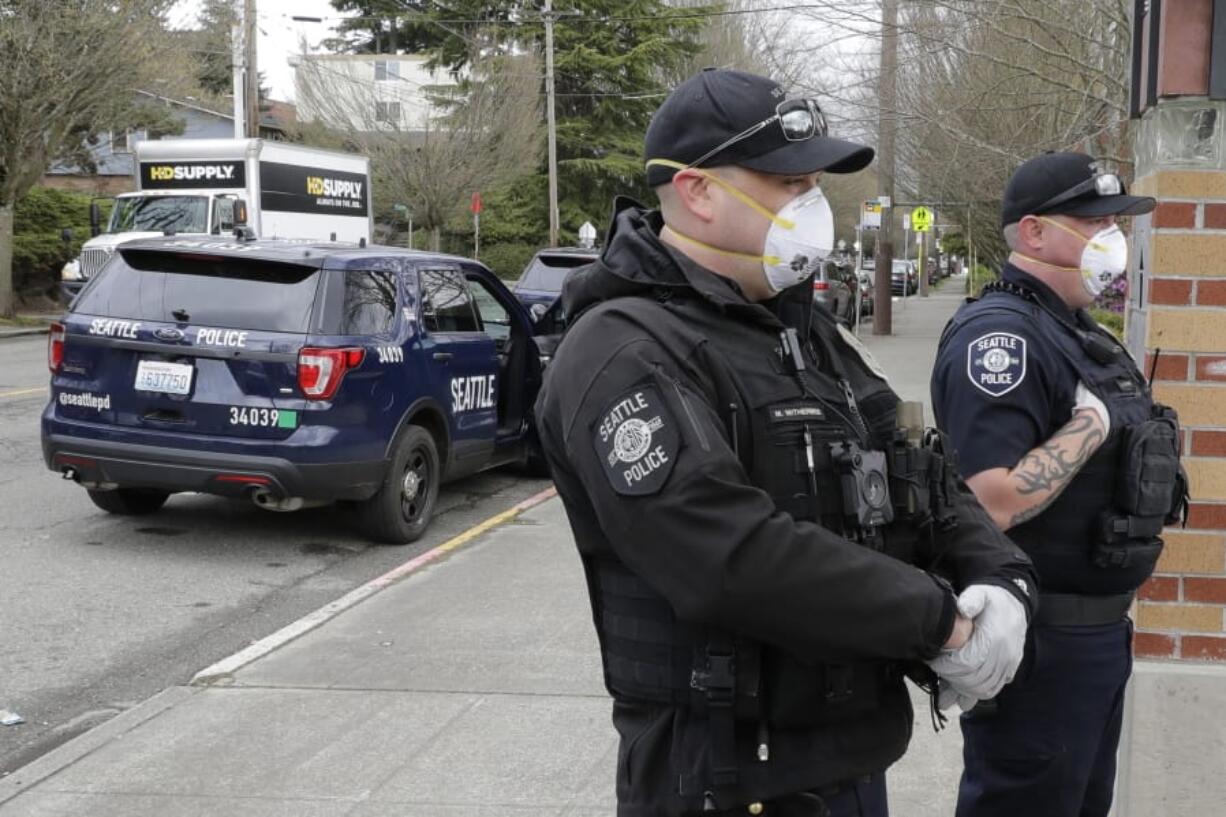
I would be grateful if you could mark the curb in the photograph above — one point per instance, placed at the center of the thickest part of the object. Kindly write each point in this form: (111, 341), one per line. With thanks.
(25, 778)
(222, 672)
(33, 773)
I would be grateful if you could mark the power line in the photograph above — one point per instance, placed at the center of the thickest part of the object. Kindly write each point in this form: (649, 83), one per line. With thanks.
(562, 18)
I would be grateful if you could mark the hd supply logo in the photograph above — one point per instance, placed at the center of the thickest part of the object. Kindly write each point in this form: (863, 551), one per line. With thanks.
(296, 189)
(337, 192)
(176, 175)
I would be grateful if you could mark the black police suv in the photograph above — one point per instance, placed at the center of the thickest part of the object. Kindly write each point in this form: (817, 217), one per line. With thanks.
(292, 374)
(541, 281)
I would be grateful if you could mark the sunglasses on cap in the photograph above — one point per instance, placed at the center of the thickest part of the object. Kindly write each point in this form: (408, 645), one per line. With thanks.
(799, 119)
(1103, 184)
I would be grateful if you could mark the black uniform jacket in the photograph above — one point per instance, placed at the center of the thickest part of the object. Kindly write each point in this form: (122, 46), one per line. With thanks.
(645, 463)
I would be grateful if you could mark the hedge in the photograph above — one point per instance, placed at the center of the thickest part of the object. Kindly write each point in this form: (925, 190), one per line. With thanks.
(38, 252)
(508, 260)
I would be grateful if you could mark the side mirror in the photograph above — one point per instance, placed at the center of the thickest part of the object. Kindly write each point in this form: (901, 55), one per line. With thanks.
(95, 218)
(66, 235)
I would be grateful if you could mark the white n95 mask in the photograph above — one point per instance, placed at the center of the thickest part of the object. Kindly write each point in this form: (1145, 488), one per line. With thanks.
(800, 236)
(1103, 258)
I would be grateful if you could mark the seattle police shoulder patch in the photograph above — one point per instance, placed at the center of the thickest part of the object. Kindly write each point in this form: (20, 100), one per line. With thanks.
(996, 362)
(636, 440)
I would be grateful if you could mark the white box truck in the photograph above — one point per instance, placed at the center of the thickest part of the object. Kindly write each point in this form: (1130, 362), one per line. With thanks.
(195, 187)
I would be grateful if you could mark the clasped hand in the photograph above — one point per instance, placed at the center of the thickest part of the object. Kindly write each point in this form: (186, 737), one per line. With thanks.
(988, 660)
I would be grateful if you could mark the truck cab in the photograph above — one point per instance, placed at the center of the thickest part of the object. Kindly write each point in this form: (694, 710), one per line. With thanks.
(147, 214)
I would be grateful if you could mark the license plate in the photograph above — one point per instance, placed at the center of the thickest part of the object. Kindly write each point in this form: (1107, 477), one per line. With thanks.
(160, 376)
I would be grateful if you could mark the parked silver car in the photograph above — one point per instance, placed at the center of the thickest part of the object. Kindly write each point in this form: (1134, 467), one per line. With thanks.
(832, 288)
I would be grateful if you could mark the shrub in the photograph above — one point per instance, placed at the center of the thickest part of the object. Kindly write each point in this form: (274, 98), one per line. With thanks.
(38, 251)
(508, 260)
(1112, 321)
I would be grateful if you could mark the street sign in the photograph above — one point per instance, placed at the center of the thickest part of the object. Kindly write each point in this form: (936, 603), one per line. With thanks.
(587, 235)
(475, 205)
(870, 215)
(921, 219)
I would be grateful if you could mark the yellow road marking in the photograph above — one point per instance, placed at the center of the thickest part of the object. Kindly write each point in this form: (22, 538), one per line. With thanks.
(20, 392)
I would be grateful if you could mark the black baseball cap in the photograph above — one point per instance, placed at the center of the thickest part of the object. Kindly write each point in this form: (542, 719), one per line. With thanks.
(715, 105)
(1065, 184)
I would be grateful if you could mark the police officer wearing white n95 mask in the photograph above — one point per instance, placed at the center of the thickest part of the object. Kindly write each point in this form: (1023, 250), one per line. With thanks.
(761, 543)
(1059, 438)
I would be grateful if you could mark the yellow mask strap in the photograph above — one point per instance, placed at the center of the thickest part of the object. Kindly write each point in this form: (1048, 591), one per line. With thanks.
(766, 259)
(1072, 232)
(786, 224)
(1046, 263)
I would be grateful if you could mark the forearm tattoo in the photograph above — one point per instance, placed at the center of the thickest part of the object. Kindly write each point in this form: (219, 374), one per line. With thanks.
(1052, 465)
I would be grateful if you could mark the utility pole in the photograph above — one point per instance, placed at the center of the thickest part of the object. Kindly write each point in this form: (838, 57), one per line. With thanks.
(552, 125)
(238, 53)
(251, 94)
(886, 122)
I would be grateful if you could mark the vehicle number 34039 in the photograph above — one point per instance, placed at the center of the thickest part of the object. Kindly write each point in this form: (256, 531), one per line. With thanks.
(261, 417)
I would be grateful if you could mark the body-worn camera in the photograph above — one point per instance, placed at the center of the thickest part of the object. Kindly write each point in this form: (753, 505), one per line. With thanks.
(865, 484)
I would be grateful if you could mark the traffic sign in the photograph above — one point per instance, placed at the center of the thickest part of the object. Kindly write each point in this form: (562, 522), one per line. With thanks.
(921, 219)
(870, 215)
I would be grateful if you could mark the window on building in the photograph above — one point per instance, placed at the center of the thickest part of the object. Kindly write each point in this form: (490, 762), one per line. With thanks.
(124, 141)
(386, 70)
(387, 112)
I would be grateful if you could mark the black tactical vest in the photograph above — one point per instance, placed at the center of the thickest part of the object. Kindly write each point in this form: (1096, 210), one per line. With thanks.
(798, 413)
(1101, 534)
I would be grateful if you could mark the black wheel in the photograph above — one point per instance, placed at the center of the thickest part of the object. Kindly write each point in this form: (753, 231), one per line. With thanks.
(129, 501)
(401, 510)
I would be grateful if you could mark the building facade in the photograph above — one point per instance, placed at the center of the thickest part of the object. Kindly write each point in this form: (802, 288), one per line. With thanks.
(369, 92)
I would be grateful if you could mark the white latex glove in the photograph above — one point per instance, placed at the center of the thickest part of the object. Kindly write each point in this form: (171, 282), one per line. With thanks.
(948, 696)
(1083, 398)
(988, 661)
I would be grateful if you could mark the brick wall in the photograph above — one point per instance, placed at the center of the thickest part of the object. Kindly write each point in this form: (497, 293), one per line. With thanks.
(1181, 612)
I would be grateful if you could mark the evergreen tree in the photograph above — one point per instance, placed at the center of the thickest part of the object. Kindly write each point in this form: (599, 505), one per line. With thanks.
(214, 49)
(611, 60)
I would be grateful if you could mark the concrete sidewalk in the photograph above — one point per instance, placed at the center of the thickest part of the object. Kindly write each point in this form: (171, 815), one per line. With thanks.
(470, 688)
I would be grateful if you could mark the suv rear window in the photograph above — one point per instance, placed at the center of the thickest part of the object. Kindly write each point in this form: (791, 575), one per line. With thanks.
(546, 272)
(237, 293)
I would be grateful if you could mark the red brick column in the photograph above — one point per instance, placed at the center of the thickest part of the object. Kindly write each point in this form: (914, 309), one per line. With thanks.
(1182, 609)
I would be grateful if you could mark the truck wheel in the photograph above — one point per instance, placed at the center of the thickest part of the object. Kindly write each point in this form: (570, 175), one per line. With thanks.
(129, 501)
(400, 511)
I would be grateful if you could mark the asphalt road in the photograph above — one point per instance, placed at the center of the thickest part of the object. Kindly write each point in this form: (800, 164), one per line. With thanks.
(97, 612)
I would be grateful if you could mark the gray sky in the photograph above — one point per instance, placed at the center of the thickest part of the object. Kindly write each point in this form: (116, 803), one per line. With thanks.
(278, 37)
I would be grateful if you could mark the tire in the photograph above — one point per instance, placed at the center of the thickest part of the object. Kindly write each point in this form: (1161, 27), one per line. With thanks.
(402, 508)
(129, 501)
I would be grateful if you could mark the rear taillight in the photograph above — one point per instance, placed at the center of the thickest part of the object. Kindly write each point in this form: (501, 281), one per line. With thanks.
(55, 347)
(320, 370)
(821, 285)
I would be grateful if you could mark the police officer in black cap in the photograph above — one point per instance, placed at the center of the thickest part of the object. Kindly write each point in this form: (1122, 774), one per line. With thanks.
(1060, 439)
(759, 539)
